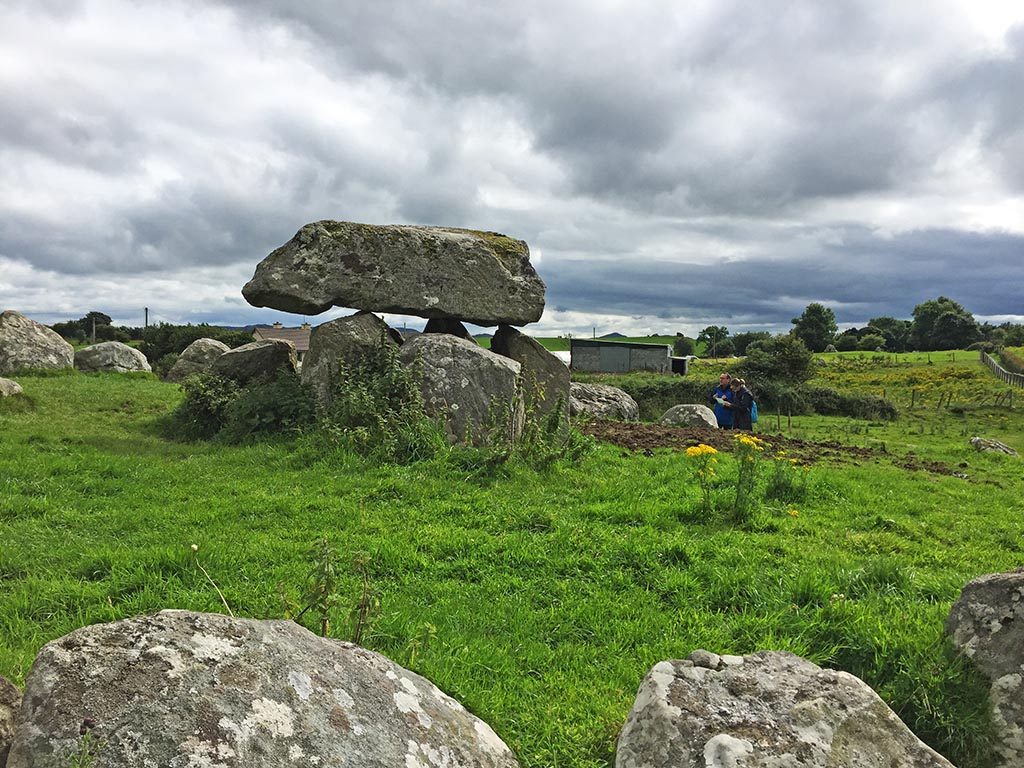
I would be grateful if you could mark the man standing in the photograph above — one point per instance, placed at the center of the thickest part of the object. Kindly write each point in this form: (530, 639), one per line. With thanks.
(721, 395)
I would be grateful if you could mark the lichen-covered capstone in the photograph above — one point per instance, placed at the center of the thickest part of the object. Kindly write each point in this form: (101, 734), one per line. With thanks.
(481, 277)
(766, 710)
(110, 356)
(26, 344)
(192, 690)
(197, 357)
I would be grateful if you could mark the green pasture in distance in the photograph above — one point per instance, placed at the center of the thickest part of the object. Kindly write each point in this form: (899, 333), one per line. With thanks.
(538, 599)
(561, 343)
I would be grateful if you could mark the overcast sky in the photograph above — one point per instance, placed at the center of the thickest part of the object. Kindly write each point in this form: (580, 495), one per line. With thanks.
(671, 164)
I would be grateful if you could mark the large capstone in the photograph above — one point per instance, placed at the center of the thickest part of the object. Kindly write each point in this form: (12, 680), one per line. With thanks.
(987, 625)
(198, 357)
(474, 391)
(766, 710)
(689, 415)
(27, 345)
(112, 356)
(602, 401)
(481, 277)
(260, 359)
(181, 689)
(344, 340)
(545, 377)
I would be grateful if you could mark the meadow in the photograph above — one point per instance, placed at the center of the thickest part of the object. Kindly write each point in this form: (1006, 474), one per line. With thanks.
(539, 598)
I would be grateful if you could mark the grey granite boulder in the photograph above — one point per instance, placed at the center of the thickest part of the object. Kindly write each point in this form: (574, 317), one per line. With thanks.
(695, 415)
(9, 388)
(112, 356)
(991, 446)
(766, 710)
(344, 339)
(259, 359)
(10, 703)
(545, 377)
(26, 344)
(197, 357)
(602, 401)
(482, 277)
(987, 625)
(182, 690)
(473, 390)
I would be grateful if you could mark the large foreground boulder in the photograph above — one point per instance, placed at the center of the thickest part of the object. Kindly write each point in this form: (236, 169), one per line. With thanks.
(545, 377)
(473, 390)
(256, 360)
(9, 388)
(482, 277)
(602, 401)
(766, 710)
(10, 703)
(180, 689)
(344, 339)
(26, 344)
(197, 357)
(987, 625)
(687, 415)
(112, 356)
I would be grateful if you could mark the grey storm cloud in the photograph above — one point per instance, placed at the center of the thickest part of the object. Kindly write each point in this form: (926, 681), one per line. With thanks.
(664, 161)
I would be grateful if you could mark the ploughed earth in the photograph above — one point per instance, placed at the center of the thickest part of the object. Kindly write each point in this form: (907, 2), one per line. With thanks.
(638, 436)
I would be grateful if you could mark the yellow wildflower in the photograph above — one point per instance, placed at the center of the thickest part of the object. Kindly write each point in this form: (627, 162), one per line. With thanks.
(793, 512)
(700, 450)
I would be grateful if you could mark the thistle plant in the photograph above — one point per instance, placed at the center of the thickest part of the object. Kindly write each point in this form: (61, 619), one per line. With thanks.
(704, 458)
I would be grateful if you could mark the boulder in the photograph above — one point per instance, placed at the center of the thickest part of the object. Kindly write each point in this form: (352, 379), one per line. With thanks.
(766, 710)
(601, 401)
(470, 388)
(198, 357)
(545, 377)
(987, 625)
(9, 388)
(256, 360)
(110, 356)
(481, 277)
(991, 446)
(10, 703)
(182, 689)
(448, 325)
(689, 416)
(346, 338)
(26, 344)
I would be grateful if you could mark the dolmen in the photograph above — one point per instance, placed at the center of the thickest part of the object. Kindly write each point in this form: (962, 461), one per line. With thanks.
(449, 277)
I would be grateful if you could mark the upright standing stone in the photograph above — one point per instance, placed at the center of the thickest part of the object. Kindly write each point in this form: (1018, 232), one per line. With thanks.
(26, 344)
(111, 356)
(480, 277)
(198, 357)
(341, 340)
(545, 377)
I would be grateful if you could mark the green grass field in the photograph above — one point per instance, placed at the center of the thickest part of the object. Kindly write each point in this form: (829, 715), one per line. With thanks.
(561, 343)
(539, 599)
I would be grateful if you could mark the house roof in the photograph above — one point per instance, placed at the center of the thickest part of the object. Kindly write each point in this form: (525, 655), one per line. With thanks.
(297, 336)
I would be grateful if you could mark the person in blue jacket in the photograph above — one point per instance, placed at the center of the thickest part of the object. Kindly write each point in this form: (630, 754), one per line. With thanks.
(741, 405)
(722, 392)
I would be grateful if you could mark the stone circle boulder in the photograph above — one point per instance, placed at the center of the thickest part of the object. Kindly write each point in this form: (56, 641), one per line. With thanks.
(987, 625)
(197, 357)
(766, 710)
(991, 446)
(26, 344)
(545, 377)
(602, 401)
(10, 703)
(481, 277)
(470, 388)
(344, 339)
(112, 356)
(184, 689)
(695, 415)
(256, 360)
(9, 388)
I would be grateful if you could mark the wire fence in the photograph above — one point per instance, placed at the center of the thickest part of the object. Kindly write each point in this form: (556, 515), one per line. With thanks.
(1013, 379)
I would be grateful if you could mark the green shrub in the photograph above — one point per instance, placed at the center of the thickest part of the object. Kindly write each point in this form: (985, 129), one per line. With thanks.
(163, 366)
(203, 412)
(279, 404)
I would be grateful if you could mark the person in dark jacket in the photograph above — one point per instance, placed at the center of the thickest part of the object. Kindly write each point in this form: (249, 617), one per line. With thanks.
(722, 392)
(740, 406)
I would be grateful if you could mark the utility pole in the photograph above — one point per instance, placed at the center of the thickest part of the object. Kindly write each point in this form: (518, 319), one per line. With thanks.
(146, 322)
(94, 330)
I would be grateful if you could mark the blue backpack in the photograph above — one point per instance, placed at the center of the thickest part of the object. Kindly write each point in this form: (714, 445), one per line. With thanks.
(753, 411)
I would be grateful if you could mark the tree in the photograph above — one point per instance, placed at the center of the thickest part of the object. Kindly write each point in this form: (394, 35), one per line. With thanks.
(871, 342)
(783, 358)
(712, 338)
(816, 327)
(957, 328)
(896, 332)
(745, 339)
(683, 346)
(848, 340)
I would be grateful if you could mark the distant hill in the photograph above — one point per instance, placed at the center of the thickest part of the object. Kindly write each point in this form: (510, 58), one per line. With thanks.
(613, 335)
